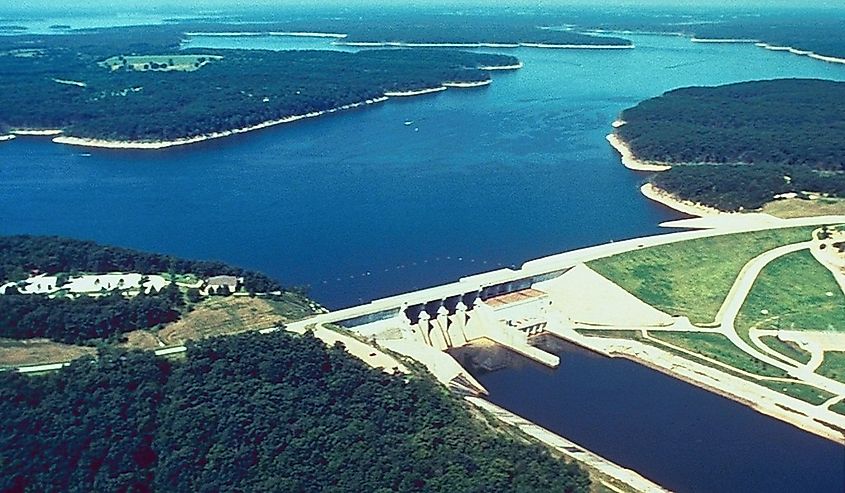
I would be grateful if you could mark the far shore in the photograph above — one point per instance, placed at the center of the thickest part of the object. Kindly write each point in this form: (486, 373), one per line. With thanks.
(687, 207)
(757, 397)
(295, 34)
(36, 133)
(807, 53)
(125, 144)
(628, 158)
(724, 40)
(402, 44)
(151, 145)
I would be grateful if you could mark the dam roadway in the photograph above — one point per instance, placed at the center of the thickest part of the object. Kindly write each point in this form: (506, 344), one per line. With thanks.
(423, 324)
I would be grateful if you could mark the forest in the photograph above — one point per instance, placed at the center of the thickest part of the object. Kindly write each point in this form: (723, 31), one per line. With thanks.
(87, 320)
(700, 130)
(22, 254)
(255, 412)
(418, 28)
(244, 88)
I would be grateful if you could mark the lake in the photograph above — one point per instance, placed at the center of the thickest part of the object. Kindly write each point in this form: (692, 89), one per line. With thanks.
(358, 205)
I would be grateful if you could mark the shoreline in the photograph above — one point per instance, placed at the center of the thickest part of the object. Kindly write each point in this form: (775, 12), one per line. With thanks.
(661, 196)
(403, 44)
(760, 399)
(628, 158)
(294, 34)
(724, 40)
(125, 144)
(418, 92)
(466, 85)
(501, 67)
(807, 53)
(152, 145)
(36, 133)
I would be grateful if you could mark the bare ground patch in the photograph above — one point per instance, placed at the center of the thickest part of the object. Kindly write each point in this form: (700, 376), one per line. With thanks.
(15, 352)
(219, 316)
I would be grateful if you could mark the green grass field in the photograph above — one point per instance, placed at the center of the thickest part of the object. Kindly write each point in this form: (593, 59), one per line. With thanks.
(719, 348)
(833, 365)
(788, 349)
(693, 277)
(185, 63)
(794, 292)
(804, 392)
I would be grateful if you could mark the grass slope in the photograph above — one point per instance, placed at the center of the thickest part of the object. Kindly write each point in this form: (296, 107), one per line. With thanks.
(794, 292)
(691, 278)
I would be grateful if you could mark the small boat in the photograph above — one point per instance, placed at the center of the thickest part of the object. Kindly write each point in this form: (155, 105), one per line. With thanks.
(408, 123)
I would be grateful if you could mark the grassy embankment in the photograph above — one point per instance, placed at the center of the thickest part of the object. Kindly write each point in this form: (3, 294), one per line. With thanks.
(794, 292)
(692, 278)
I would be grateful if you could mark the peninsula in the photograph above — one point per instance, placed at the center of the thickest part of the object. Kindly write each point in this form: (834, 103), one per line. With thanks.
(101, 92)
(764, 158)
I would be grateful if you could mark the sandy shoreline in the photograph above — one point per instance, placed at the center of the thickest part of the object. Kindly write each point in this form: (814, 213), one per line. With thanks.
(687, 207)
(404, 94)
(465, 85)
(628, 158)
(757, 397)
(402, 44)
(36, 133)
(149, 145)
(501, 67)
(724, 40)
(296, 34)
(114, 144)
(794, 51)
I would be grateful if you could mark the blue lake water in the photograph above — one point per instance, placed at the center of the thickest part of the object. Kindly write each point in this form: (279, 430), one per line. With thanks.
(358, 205)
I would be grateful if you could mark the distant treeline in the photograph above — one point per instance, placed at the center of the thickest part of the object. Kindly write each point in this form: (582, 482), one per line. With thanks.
(22, 254)
(734, 187)
(430, 29)
(85, 319)
(786, 133)
(256, 413)
(245, 88)
(819, 32)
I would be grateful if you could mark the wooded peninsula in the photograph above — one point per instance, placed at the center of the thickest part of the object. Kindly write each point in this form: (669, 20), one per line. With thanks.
(738, 146)
(133, 84)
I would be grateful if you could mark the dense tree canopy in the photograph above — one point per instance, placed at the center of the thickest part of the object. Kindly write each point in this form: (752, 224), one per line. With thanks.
(785, 135)
(45, 83)
(254, 413)
(87, 319)
(21, 254)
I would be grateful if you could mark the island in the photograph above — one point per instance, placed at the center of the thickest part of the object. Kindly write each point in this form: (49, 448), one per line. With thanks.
(264, 410)
(101, 89)
(773, 146)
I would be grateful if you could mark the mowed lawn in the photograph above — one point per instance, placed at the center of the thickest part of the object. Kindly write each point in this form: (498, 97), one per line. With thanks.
(693, 277)
(794, 292)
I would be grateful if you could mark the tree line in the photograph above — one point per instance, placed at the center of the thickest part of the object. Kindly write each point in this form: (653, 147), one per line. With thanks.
(737, 145)
(87, 319)
(22, 254)
(255, 412)
(245, 88)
